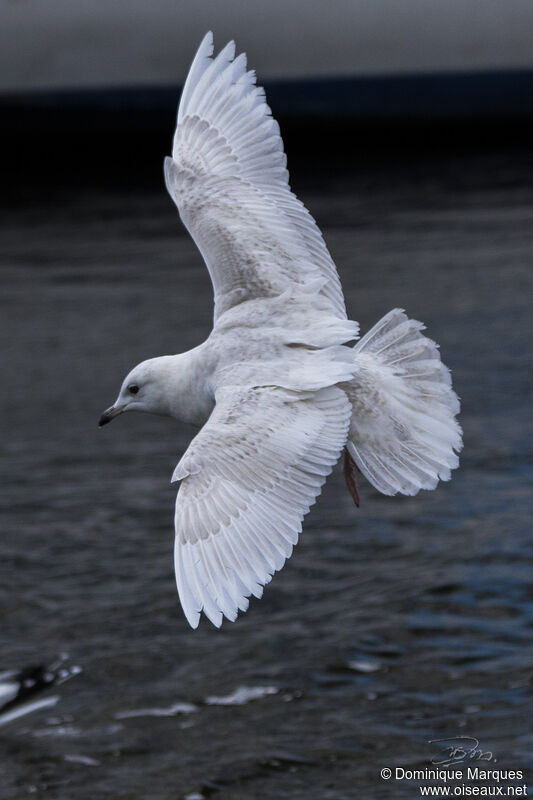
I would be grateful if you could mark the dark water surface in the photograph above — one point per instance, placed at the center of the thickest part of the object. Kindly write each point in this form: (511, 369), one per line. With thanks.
(407, 620)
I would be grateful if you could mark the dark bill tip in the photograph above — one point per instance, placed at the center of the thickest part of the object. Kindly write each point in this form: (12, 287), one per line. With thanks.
(108, 415)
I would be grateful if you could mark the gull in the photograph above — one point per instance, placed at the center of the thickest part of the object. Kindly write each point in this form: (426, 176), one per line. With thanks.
(279, 390)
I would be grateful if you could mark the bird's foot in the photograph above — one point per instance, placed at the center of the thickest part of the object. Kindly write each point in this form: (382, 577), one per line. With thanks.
(349, 476)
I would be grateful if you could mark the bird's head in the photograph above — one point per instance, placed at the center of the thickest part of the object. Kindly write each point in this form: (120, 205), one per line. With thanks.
(143, 389)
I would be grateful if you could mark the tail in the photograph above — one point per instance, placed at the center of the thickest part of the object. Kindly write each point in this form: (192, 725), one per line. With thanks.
(403, 433)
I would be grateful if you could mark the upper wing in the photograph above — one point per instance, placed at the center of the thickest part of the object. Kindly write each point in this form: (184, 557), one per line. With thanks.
(228, 178)
(249, 477)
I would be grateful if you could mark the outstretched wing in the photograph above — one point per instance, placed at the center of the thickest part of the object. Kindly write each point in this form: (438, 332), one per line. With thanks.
(228, 178)
(248, 479)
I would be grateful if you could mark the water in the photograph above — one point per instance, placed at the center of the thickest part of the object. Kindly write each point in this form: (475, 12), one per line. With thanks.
(405, 621)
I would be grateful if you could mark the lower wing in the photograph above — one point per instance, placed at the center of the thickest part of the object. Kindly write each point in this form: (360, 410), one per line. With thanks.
(248, 479)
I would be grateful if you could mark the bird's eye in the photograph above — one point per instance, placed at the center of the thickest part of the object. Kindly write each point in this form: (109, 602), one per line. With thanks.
(133, 389)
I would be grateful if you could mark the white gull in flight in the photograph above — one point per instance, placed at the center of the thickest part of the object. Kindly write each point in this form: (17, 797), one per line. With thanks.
(276, 389)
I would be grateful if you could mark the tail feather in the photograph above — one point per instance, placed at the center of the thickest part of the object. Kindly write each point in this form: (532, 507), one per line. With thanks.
(403, 433)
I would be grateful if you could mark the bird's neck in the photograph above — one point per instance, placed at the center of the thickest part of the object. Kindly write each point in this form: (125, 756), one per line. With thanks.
(188, 389)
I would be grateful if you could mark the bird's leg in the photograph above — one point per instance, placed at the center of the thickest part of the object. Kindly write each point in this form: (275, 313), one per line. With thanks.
(349, 476)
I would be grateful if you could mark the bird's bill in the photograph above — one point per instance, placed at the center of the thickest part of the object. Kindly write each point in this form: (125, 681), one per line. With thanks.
(109, 414)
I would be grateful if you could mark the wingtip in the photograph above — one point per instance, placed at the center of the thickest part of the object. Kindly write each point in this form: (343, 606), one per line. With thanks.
(215, 619)
(227, 54)
(207, 42)
(193, 619)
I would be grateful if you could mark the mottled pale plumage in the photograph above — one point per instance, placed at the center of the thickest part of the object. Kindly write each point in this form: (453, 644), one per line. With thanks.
(276, 387)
